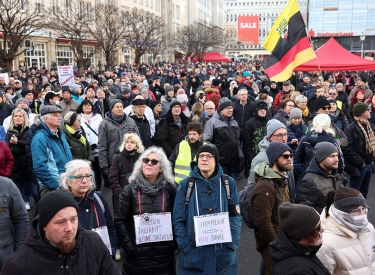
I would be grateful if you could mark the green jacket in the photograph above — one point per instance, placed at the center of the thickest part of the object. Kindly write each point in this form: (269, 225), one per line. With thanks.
(78, 149)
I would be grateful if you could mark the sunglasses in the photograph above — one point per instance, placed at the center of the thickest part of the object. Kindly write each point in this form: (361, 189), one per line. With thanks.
(326, 108)
(153, 161)
(286, 156)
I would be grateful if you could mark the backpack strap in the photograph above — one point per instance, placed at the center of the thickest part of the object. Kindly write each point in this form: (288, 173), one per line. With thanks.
(189, 190)
(119, 162)
(99, 201)
(225, 180)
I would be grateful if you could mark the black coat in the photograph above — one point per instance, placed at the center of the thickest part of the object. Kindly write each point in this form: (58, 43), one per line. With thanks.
(5, 111)
(291, 258)
(144, 130)
(148, 258)
(242, 113)
(38, 256)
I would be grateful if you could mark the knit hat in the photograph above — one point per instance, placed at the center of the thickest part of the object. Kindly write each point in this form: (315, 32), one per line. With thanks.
(286, 82)
(297, 221)
(52, 203)
(182, 98)
(331, 101)
(168, 88)
(273, 125)
(216, 82)
(113, 102)
(348, 199)
(246, 74)
(261, 105)
(210, 148)
(175, 81)
(295, 113)
(174, 102)
(321, 122)
(321, 102)
(48, 109)
(25, 92)
(324, 149)
(144, 91)
(276, 149)
(21, 99)
(359, 108)
(364, 79)
(223, 103)
(125, 90)
(74, 88)
(154, 103)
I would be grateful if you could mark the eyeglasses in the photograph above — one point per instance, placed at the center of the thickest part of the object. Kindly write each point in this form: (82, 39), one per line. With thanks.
(287, 156)
(359, 211)
(208, 157)
(153, 161)
(319, 227)
(280, 136)
(332, 93)
(326, 108)
(209, 108)
(79, 178)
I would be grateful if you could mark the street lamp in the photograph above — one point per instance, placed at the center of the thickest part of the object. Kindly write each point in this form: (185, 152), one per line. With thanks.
(362, 37)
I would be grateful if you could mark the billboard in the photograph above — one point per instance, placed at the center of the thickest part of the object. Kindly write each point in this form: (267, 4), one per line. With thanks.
(248, 29)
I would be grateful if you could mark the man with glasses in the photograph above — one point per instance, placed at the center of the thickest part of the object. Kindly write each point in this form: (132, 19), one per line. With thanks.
(284, 113)
(321, 177)
(138, 115)
(209, 184)
(333, 94)
(270, 191)
(358, 154)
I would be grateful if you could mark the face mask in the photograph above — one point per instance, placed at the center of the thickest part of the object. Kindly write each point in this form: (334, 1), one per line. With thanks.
(57, 102)
(359, 221)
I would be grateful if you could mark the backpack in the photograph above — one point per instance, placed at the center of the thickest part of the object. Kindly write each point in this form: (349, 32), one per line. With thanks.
(191, 184)
(246, 204)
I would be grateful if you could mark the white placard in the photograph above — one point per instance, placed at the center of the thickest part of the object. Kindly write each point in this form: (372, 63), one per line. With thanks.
(150, 228)
(212, 229)
(103, 233)
(6, 77)
(66, 75)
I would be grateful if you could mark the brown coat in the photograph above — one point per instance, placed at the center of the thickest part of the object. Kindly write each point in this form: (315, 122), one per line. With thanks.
(266, 200)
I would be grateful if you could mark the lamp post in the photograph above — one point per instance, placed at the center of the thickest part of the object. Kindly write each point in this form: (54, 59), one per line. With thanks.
(362, 37)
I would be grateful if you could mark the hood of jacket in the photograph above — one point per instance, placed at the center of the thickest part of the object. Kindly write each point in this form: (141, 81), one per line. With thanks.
(316, 169)
(264, 170)
(194, 172)
(255, 113)
(263, 144)
(39, 125)
(315, 138)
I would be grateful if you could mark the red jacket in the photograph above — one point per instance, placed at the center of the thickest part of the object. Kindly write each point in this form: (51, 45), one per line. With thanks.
(6, 160)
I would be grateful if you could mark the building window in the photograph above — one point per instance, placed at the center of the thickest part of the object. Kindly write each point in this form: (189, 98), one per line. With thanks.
(67, 8)
(36, 56)
(22, 4)
(87, 51)
(53, 7)
(64, 55)
(81, 9)
(177, 12)
(88, 11)
(39, 6)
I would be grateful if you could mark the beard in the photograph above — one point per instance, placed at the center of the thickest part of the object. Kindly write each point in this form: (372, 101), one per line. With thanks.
(66, 247)
(284, 167)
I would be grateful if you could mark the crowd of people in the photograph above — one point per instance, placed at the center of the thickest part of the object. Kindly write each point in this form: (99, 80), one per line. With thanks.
(170, 141)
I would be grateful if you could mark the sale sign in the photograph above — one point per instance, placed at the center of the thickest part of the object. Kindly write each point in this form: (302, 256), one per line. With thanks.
(66, 75)
(248, 29)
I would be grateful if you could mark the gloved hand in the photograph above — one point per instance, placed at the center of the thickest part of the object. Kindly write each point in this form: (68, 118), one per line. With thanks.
(105, 173)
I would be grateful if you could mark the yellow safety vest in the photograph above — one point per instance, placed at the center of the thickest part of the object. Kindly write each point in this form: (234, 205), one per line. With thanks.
(339, 104)
(182, 164)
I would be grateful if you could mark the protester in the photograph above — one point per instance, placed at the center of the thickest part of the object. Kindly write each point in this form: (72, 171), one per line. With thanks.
(297, 130)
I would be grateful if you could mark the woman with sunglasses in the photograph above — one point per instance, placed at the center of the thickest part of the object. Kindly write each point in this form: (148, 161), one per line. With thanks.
(348, 238)
(93, 210)
(149, 197)
(297, 242)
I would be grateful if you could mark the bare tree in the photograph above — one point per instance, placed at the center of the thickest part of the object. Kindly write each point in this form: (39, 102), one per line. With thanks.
(143, 32)
(185, 40)
(71, 21)
(207, 37)
(109, 30)
(161, 42)
(18, 20)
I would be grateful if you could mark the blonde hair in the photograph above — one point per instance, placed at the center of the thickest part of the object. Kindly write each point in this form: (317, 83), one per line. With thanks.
(68, 116)
(134, 137)
(24, 124)
(72, 167)
(197, 110)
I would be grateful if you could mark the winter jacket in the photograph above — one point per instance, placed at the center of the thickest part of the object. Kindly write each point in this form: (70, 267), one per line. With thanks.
(262, 157)
(316, 184)
(242, 113)
(92, 135)
(72, 105)
(211, 92)
(147, 258)
(85, 208)
(6, 160)
(346, 252)
(38, 256)
(277, 102)
(118, 177)
(343, 97)
(266, 198)
(5, 111)
(305, 151)
(111, 135)
(355, 153)
(50, 153)
(14, 221)
(78, 149)
(339, 120)
(143, 129)
(165, 103)
(209, 259)
(295, 132)
(225, 134)
(292, 258)
(169, 134)
(149, 114)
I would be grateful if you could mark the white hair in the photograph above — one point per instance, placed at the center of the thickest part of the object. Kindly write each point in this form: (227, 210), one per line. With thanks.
(165, 165)
(71, 168)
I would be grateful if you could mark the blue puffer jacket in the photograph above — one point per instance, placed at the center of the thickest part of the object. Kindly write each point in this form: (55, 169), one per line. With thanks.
(50, 154)
(209, 259)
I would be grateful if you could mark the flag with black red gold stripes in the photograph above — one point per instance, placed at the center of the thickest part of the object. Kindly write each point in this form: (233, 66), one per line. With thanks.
(288, 43)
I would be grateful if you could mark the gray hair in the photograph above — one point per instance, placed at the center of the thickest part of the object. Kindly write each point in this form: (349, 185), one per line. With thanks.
(299, 98)
(71, 168)
(165, 165)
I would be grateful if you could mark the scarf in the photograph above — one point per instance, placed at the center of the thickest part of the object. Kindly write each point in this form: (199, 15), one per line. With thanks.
(77, 134)
(88, 117)
(179, 123)
(352, 222)
(206, 115)
(116, 118)
(369, 135)
(152, 190)
(305, 112)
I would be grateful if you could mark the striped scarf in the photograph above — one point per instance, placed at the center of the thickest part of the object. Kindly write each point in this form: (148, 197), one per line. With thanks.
(369, 135)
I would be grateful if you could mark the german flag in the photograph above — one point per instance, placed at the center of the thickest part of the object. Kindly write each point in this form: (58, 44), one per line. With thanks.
(288, 43)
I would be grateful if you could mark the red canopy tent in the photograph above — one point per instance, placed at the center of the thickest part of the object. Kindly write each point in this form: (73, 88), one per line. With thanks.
(333, 57)
(211, 57)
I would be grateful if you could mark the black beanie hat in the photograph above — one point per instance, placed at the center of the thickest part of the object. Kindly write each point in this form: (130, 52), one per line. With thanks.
(297, 221)
(52, 203)
(154, 103)
(276, 149)
(174, 102)
(321, 102)
(210, 148)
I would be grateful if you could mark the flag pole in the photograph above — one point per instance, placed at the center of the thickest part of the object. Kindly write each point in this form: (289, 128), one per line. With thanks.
(317, 60)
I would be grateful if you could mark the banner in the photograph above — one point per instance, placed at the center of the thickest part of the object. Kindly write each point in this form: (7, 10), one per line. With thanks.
(248, 29)
(155, 227)
(66, 75)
